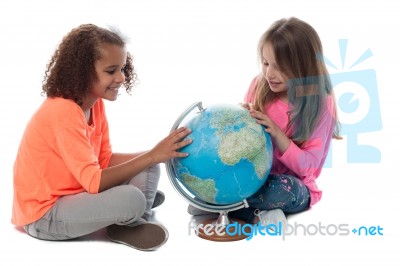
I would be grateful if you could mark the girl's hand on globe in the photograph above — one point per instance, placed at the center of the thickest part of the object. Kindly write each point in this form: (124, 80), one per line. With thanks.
(280, 139)
(248, 106)
(167, 148)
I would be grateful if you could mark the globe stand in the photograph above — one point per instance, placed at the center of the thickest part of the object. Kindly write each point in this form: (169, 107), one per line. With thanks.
(210, 229)
(215, 230)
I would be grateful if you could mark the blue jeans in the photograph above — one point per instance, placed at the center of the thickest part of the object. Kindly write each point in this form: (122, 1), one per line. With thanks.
(281, 191)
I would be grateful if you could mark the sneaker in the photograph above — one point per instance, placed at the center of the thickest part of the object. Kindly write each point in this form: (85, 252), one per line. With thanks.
(159, 199)
(272, 217)
(196, 211)
(143, 236)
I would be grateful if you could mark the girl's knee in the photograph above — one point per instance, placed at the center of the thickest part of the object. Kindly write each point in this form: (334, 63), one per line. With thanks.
(155, 171)
(133, 201)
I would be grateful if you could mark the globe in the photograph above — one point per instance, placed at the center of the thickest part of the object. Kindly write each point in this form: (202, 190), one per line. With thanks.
(229, 158)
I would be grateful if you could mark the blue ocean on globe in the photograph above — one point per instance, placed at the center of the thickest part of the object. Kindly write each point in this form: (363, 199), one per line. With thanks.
(230, 157)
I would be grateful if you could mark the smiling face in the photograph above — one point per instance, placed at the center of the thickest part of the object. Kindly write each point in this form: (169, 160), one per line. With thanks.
(109, 70)
(270, 69)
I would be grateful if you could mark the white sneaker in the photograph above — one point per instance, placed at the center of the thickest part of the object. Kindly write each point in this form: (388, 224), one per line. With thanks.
(274, 216)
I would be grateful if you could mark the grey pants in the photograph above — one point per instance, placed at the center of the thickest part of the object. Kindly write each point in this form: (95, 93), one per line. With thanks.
(76, 215)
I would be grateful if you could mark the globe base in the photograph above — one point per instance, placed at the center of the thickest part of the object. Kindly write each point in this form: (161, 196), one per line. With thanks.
(211, 230)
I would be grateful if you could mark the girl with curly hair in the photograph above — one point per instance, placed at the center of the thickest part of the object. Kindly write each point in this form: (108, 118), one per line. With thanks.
(67, 180)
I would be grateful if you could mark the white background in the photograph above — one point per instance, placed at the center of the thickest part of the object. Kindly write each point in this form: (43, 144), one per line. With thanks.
(187, 51)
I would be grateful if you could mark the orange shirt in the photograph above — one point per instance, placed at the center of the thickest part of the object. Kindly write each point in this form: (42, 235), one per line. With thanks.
(59, 154)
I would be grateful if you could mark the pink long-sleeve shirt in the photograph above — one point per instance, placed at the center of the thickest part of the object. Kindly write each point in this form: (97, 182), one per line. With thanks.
(305, 162)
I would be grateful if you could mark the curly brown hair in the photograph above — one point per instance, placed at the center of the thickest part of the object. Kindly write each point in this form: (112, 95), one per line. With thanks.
(71, 70)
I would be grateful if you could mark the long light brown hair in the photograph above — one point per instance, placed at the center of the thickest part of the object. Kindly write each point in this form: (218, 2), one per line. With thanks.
(298, 53)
